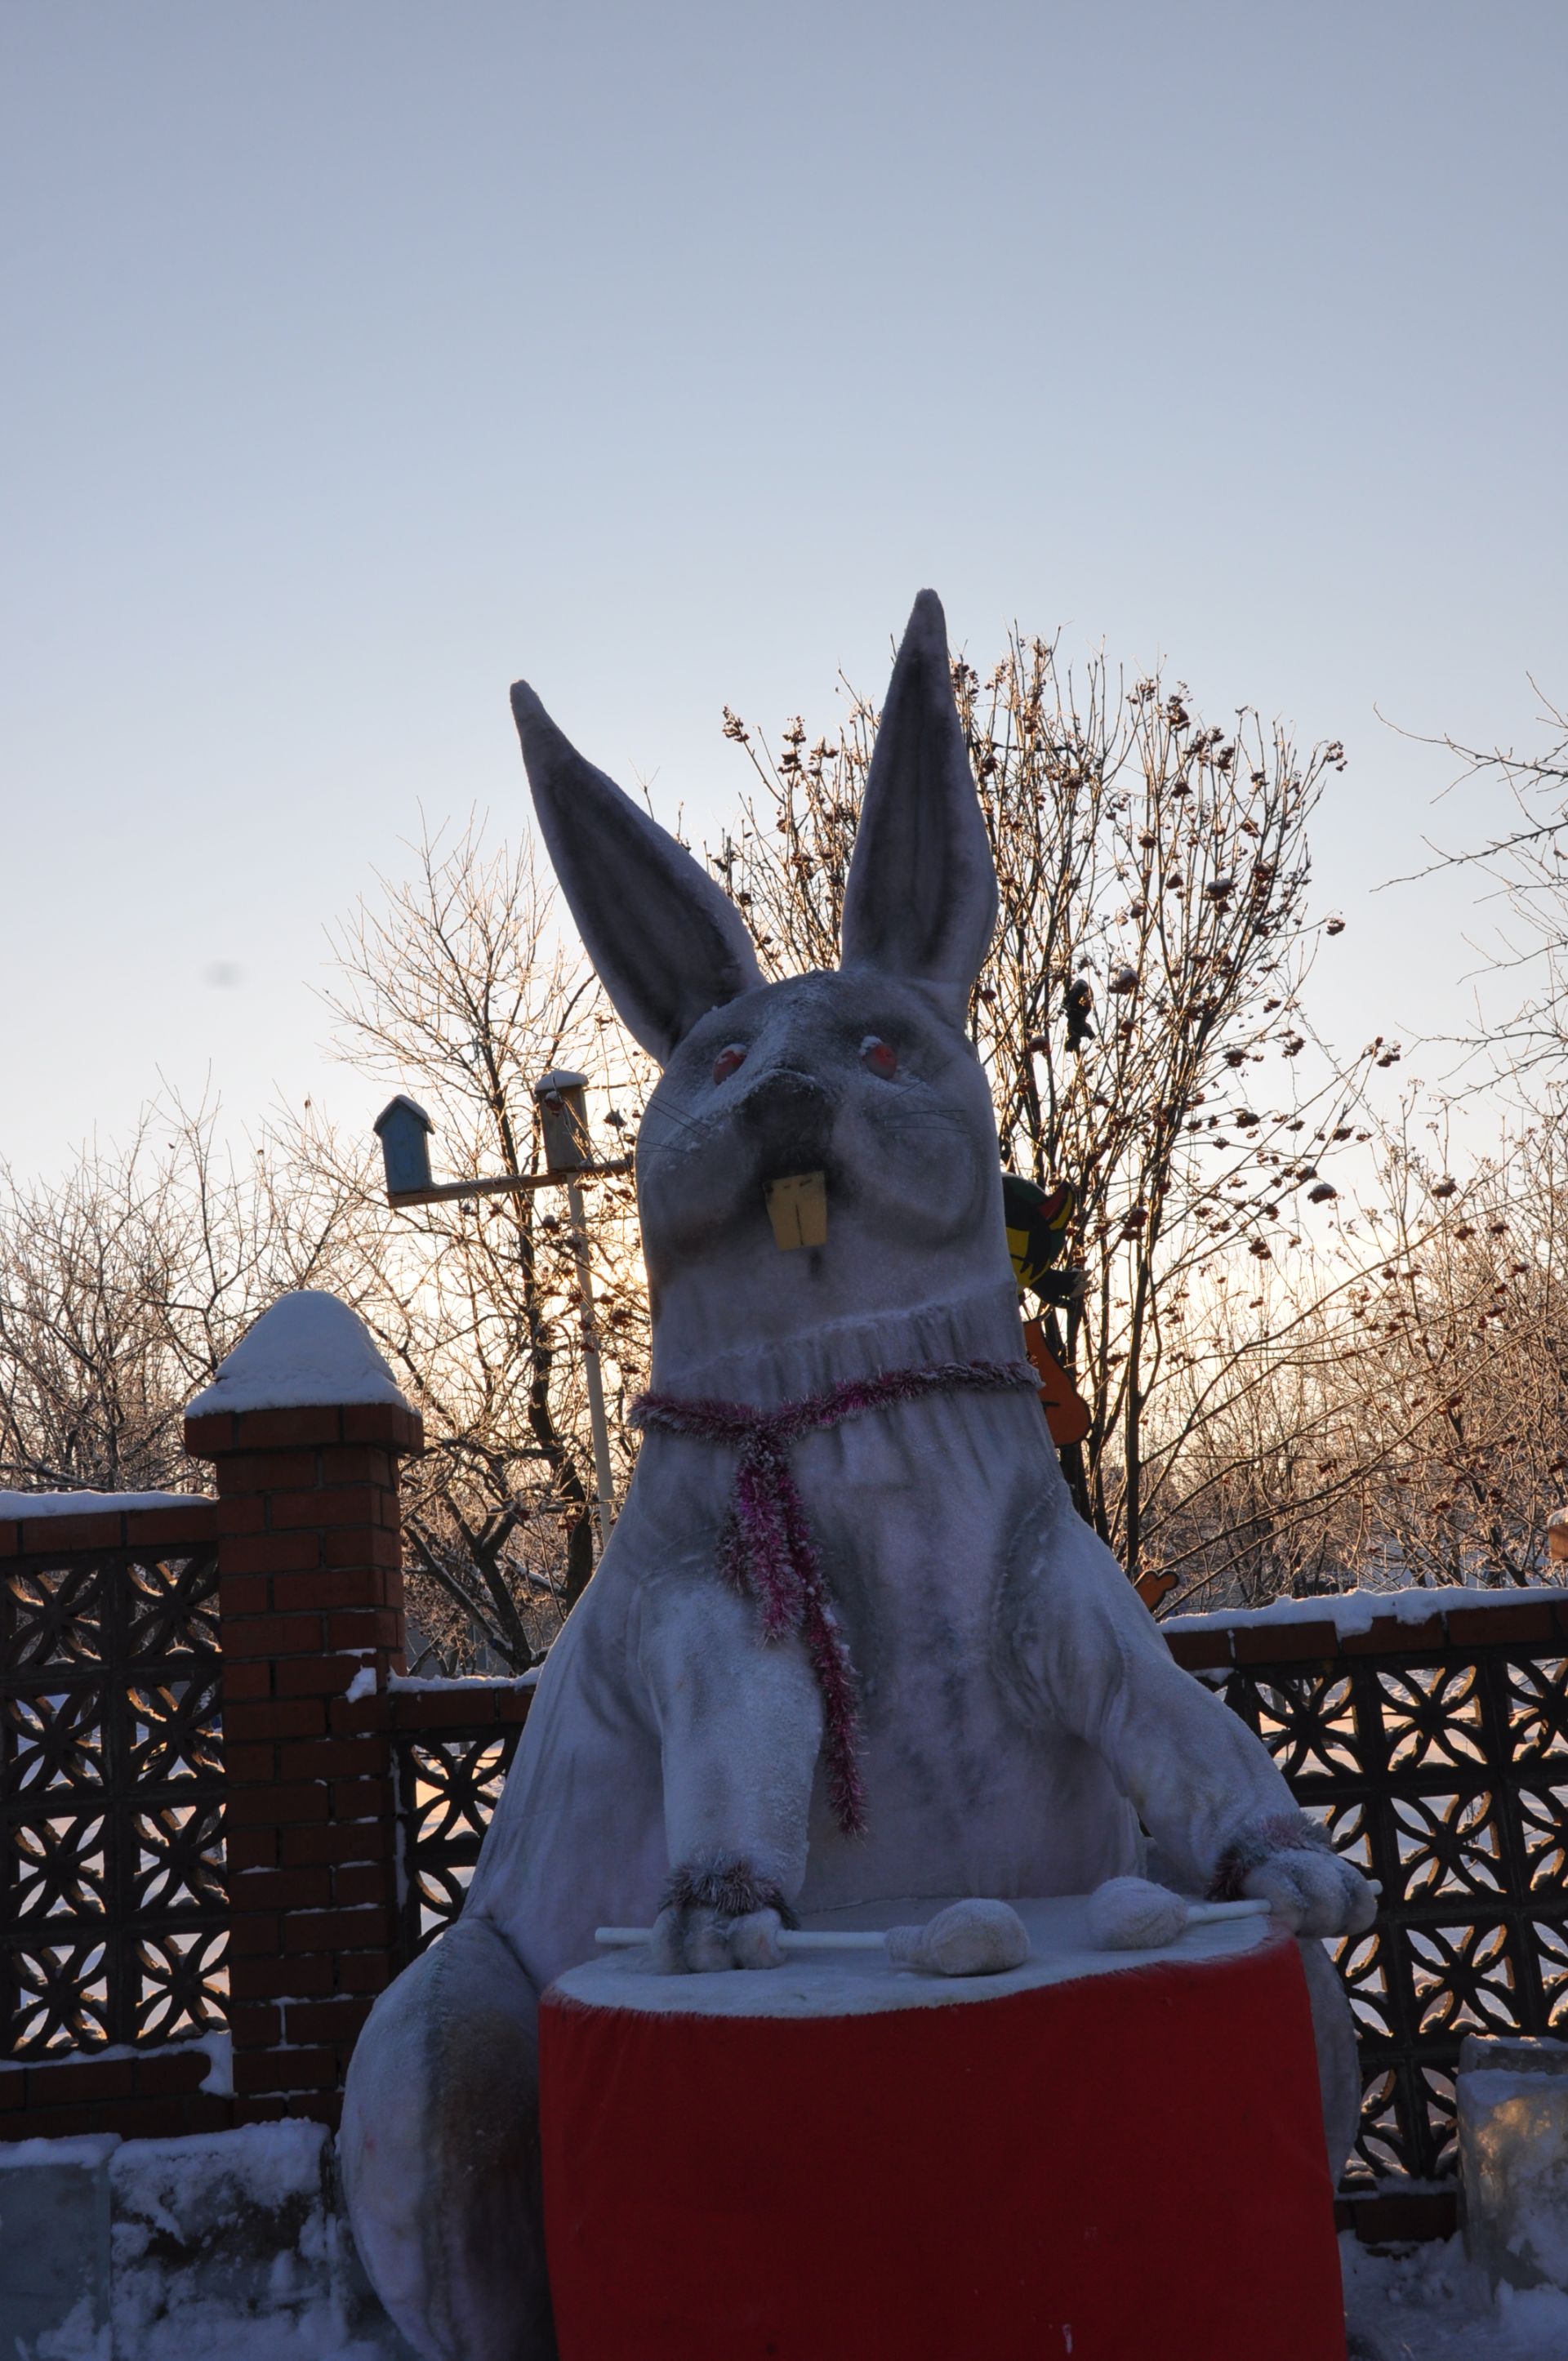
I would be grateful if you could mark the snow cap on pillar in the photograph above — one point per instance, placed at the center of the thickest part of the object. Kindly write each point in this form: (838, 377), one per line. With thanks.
(309, 1350)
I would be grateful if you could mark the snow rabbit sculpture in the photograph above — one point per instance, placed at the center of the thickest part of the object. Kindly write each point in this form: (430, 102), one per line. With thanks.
(862, 1649)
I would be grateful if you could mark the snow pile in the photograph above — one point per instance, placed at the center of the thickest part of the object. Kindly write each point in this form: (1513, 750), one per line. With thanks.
(1427, 2303)
(218, 2078)
(228, 2243)
(93, 1504)
(209, 2333)
(233, 2223)
(217, 2044)
(363, 1685)
(1353, 1612)
(231, 2247)
(310, 1350)
(92, 2148)
(421, 1684)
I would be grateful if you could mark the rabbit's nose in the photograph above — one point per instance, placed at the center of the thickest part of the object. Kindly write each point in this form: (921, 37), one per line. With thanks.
(789, 1115)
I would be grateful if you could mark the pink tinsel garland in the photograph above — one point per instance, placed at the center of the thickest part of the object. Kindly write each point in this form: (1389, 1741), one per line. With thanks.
(766, 1545)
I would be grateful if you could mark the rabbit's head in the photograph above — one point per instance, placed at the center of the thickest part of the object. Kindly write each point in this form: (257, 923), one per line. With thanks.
(861, 1086)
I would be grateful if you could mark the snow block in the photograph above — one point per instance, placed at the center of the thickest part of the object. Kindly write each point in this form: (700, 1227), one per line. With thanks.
(54, 2245)
(226, 2246)
(1513, 2160)
(234, 2223)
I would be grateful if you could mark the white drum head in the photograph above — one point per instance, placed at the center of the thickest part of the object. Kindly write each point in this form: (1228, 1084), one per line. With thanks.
(866, 1983)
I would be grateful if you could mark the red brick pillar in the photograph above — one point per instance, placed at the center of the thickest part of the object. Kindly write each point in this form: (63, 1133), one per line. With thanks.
(310, 1597)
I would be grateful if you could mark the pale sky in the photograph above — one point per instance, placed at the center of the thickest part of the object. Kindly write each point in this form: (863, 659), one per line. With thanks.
(360, 355)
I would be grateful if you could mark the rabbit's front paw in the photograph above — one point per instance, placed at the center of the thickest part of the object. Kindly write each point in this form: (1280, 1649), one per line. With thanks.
(720, 1912)
(1290, 1864)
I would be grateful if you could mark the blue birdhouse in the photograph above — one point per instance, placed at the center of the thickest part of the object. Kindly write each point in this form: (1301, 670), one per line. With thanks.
(403, 1130)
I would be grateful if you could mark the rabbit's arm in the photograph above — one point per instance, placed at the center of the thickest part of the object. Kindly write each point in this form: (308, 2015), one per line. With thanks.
(739, 1723)
(1203, 1785)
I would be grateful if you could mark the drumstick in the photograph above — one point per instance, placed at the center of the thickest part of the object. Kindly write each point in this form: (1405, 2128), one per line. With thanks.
(1131, 1914)
(968, 1939)
(789, 1938)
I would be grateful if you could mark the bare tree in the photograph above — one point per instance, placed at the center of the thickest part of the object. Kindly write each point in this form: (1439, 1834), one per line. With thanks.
(1152, 953)
(1412, 1425)
(1297, 1381)
(456, 986)
(122, 1286)
(1526, 866)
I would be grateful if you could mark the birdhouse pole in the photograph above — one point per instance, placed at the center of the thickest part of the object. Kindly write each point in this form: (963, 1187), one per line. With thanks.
(563, 1121)
(403, 1130)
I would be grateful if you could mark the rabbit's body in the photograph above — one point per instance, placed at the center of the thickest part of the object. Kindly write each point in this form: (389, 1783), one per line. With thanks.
(972, 1788)
(1019, 1711)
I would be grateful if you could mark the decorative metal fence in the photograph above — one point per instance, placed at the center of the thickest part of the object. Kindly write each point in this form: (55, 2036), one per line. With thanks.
(449, 1769)
(1435, 1753)
(115, 1922)
(1437, 1764)
(1438, 1761)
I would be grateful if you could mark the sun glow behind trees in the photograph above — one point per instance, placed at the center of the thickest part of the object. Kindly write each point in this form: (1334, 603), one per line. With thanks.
(1314, 1353)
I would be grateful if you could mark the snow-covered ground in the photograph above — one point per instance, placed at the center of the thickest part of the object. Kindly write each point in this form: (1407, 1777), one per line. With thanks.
(208, 2331)
(318, 2337)
(1424, 2305)
(1427, 2304)
(221, 2247)
(232, 2246)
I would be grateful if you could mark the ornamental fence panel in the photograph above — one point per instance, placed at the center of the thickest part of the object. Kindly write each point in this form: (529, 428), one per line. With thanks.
(449, 1766)
(115, 1915)
(1435, 1753)
(1436, 1758)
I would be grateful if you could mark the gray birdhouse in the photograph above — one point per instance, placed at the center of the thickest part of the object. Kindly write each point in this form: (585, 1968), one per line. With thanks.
(403, 1130)
(564, 1120)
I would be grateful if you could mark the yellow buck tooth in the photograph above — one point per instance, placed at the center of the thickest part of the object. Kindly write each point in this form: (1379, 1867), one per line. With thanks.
(797, 1209)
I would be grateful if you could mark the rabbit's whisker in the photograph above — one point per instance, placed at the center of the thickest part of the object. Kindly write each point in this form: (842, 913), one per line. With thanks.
(703, 1127)
(922, 1123)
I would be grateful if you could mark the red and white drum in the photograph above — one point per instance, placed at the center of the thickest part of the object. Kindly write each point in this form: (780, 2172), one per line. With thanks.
(1115, 2155)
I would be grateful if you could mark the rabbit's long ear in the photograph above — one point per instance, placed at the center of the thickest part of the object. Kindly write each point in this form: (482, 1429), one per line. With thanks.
(920, 898)
(667, 943)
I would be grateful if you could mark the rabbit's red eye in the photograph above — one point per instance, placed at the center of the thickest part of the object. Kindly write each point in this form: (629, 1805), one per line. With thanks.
(879, 1056)
(724, 1065)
